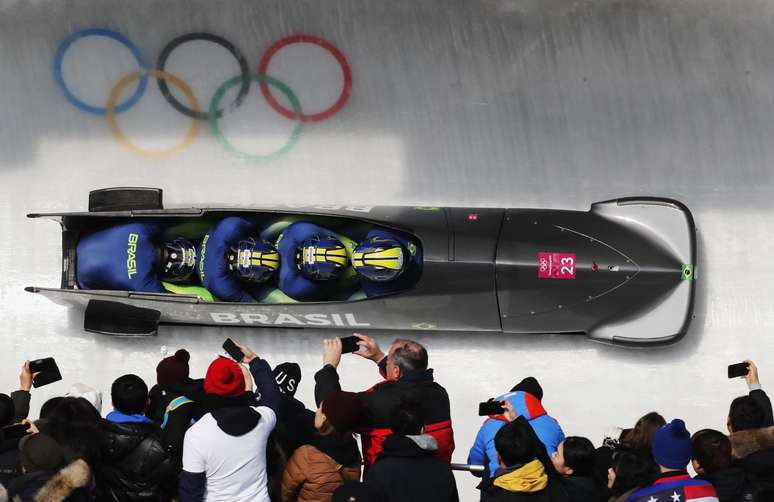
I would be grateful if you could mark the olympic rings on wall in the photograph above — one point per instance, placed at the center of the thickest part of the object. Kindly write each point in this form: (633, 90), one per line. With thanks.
(264, 80)
(161, 76)
(98, 32)
(167, 50)
(300, 39)
(192, 109)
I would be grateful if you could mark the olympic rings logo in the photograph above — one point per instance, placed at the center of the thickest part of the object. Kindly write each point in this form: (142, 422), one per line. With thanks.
(216, 110)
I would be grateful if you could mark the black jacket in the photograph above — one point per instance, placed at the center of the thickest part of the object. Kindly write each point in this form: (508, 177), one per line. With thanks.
(295, 425)
(731, 484)
(176, 419)
(582, 489)
(381, 400)
(407, 471)
(135, 463)
(21, 404)
(9, 466)
(71, 484)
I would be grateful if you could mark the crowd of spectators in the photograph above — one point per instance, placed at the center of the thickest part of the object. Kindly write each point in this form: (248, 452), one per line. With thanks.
(240, 434)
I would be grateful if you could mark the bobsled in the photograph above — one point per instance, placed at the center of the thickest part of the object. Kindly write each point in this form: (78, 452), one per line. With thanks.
(623, 272)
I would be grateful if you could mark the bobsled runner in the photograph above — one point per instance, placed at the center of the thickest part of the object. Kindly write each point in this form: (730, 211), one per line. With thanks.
(621, 273)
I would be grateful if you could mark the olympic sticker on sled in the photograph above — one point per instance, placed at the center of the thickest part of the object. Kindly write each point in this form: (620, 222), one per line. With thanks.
(556, 265)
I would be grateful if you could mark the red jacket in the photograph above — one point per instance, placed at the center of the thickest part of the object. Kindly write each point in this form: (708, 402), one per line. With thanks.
(381, 400)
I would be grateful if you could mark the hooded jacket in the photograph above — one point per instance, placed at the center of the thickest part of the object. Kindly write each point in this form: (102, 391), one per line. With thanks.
(754, 450)
(380, 401)
(224, 453)
(135, 464)
(528, 483)
(316, 470)
(731, 484)
(68, 485)
(408, 470)
(546, 428)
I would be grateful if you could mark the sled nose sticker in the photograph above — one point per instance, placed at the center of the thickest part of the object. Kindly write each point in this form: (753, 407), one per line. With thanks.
(556, 265)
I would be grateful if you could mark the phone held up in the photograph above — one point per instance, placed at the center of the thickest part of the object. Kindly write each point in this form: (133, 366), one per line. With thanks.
(232, 350)
(47, 372)
(490, 407)
(349, 344)
(738, 370)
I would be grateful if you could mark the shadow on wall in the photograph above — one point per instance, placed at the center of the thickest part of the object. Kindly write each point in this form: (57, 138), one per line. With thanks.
(494, 97)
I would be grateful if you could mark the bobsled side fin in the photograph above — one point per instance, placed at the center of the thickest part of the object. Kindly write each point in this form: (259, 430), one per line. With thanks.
(125, 199)
(118, 319)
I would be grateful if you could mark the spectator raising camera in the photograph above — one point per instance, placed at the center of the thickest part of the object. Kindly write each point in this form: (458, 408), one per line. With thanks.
(750, 423)
(224, 454)
(406, 377)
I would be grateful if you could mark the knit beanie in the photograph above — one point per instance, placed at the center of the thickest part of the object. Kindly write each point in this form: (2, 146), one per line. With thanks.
(531, 386)
(342, 409)
(672, 445)
(224, 378)
(40, 452)
(288, 376)
(173, 369)
(7, 410)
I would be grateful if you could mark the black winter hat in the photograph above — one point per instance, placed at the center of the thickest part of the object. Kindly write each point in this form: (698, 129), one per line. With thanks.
(288, 376)
(7, 410)
(531, 386)
(40, 452)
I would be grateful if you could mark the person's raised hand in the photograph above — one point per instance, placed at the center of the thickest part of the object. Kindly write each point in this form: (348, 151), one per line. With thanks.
(752, 375)
(31, 427)
(369, 348)
(332, 352)
(248, 378)
(26, 377)
(249, 355)
(509, 414)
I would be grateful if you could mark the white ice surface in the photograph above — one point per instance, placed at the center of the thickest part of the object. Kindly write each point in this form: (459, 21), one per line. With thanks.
(508, 103)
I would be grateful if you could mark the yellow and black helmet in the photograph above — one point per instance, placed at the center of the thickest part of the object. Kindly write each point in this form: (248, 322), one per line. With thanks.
(378, 259)
(253, 260)
(322, 257)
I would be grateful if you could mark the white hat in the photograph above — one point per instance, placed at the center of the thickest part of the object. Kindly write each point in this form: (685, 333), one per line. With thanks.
(90, 394)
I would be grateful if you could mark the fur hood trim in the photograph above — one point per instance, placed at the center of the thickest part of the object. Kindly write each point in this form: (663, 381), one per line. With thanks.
(62, 485)
(744, 443)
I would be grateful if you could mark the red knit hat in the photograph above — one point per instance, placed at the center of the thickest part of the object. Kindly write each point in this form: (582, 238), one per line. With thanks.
(173, 369)
(224, 377)
(343, 410)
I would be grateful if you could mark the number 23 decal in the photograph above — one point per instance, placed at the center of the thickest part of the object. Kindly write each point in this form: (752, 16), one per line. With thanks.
(556, 265)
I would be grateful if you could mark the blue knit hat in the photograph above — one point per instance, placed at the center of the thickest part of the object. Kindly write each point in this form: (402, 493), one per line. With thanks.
(672, 445)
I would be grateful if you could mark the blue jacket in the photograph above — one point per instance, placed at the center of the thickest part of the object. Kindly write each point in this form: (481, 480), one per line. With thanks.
(546, 428)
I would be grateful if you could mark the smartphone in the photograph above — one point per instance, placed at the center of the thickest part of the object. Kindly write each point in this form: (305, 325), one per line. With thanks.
(349, 344)
(15, 431)
(231, 349)
(738, 370)
(47, 372)
(490, 407)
